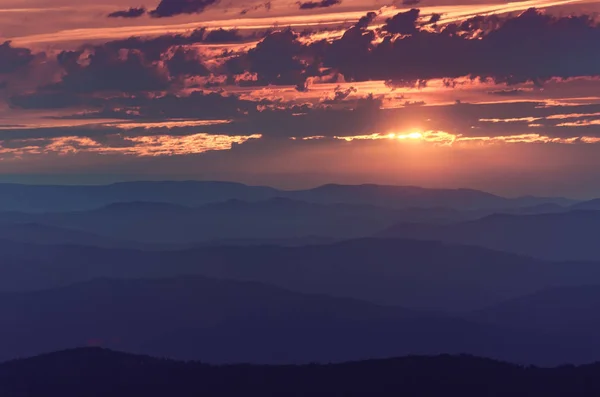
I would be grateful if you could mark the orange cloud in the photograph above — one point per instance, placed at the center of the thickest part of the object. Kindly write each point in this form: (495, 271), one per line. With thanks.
(158, 145)
(447, 139)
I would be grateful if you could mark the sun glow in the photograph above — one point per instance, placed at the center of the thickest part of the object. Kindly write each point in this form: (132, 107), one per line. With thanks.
(413, 135)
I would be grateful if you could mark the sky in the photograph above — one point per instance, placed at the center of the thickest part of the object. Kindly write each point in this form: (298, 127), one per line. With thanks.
(498, 96)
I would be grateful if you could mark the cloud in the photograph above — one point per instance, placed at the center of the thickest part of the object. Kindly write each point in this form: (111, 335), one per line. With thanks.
(405, 52)
(277, 59)
(52, 99)
(106, 70)
(365, 20)
(223, 36)
(130, 13)
(266, 6)
(435, 18)
(196, 105)
(403, 22)
(340, 94)
(186, 62)
(508, 92)
(410, 2)
(138, 146)
(12, 58)
(485, 47)
(169, 8)
(309, 5)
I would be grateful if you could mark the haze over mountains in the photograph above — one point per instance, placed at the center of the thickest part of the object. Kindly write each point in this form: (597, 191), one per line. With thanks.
(177, 214)
(228, 322)
(412, 274)
(556, 236)
(228, 273)
(32, 198)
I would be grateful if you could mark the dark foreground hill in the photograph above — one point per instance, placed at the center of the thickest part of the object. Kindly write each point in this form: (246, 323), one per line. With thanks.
(413, 274)
(94, 372)
(557, 236)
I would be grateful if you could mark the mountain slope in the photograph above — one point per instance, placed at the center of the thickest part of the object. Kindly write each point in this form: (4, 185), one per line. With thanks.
(231, 220)
(571, 312)
(31, 198)
(414, 196)
(416, 274)
(44, 198)
(96, 372)
(225, 321)
(557, 236)
(52, 235)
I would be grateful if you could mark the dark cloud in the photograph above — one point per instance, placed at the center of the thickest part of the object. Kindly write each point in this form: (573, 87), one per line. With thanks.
(342, 54)
(152, 48)
(435, 18)
(155, 48)
(223, 36)
(410, 2)
(507, 92)
(340, 94)
(309, 5)
(403, 23)
(130, 13)
(105, 70)
(266, 6)
(529, 47)
(277, 59)
(53, 99)
(186, 62)
(365, 20)
(13, 58)
(197, 105)
(169, 8)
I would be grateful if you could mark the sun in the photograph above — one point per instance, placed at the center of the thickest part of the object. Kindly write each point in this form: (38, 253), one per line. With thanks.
(411, 135)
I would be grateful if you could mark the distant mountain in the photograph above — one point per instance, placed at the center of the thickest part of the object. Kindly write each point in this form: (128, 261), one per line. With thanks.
(226, 321)
(31, 198)
(283, 242)
(570, 312)
(273, 219)
(413, 196)
(559, 236)
(591, 205)
(51, 235)
(99, 372)
(45, 198)
(237, 220)
(415, 274)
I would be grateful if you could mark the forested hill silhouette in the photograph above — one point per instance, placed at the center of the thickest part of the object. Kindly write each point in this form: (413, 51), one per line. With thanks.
(95, 372)
(413, 274)
(558, 236)
(32, 198)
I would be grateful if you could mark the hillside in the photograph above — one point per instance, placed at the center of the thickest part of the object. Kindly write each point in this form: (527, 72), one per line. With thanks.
(97, 373)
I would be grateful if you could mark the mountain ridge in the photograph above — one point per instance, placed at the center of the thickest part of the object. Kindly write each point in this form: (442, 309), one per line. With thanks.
(101, 372)
(40, 198)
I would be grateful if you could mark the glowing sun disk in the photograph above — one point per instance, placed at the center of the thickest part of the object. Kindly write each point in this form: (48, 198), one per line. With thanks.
(412, 135)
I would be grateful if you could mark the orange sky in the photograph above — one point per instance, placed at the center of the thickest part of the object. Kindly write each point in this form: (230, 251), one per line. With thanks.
(454, 132)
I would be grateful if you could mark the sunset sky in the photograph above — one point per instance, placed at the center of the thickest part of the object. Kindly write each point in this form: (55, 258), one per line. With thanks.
(501, 96)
